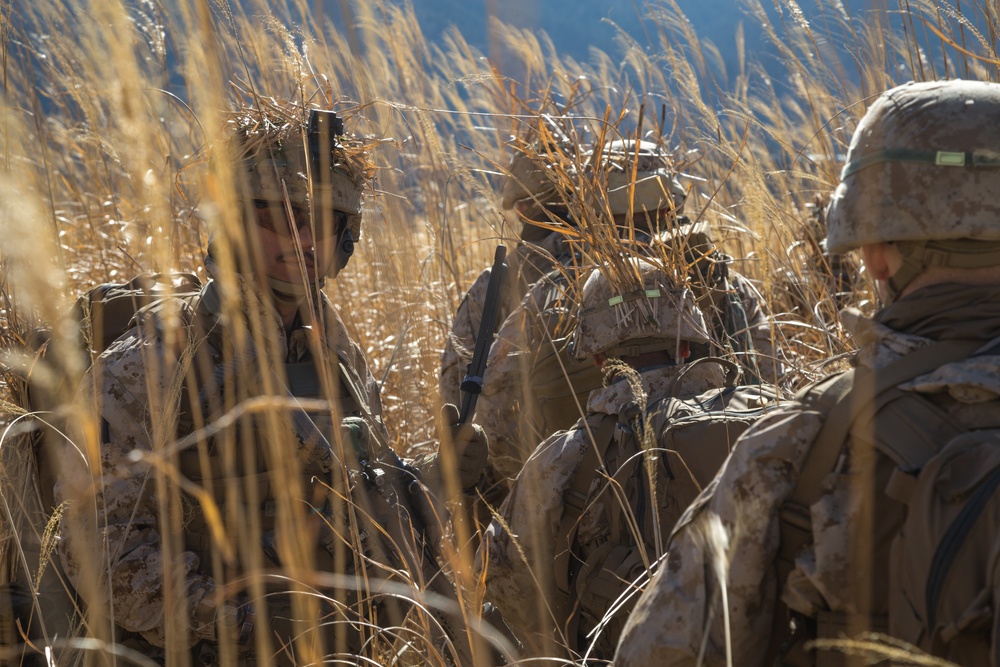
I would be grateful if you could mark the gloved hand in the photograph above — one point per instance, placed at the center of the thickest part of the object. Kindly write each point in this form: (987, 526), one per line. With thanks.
(470, 445)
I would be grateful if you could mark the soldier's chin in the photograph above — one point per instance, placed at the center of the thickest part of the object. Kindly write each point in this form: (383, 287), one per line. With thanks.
(290, 291)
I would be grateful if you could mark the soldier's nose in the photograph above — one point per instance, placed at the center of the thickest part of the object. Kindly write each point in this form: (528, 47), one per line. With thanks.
(306, 236)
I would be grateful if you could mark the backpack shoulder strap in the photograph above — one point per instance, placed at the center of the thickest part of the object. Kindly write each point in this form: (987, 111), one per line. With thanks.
(842, 399)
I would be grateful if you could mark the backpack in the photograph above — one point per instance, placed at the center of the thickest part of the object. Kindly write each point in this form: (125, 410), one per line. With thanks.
(942, 577)
(693, 436)
(558, 384)
(36, 598)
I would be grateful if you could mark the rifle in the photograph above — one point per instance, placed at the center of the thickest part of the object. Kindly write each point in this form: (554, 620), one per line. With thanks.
(472, 384)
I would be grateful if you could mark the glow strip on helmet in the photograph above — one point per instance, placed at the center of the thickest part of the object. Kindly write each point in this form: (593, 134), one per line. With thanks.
(649, 294)
(983, 159)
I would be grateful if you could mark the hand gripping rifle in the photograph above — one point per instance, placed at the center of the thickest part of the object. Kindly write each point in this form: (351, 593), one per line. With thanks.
(472, 384)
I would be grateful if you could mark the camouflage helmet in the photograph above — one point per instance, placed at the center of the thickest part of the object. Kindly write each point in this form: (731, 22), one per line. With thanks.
(656, 184)
(278, 160)
(530, 177)
(646, 318)
(924, 164)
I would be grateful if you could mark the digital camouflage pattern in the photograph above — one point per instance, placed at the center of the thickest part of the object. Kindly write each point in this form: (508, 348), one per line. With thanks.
(518, 552)
(512, 411)
(896, 186)
(646, 313)
(733, 526)
(515, 419)
(528, 263)
(130, 385)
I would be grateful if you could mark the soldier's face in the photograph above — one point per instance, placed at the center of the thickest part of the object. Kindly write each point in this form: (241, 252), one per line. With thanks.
(299, 252)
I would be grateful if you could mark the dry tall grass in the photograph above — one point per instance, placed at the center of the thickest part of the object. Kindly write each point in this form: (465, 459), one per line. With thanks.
(108, 105)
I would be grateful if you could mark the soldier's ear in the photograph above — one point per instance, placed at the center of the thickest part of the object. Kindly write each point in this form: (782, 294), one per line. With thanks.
(877, 260)
(599, 359)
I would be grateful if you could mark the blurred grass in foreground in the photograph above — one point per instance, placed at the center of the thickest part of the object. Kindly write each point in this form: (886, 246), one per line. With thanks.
(108, 107)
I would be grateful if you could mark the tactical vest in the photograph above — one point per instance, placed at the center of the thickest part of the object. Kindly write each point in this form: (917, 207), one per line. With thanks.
(559, 384)
(235, 466)
(905, 431)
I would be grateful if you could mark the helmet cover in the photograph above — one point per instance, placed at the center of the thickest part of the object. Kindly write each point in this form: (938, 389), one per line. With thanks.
(924, 164)
(654, 315)
(656, 184)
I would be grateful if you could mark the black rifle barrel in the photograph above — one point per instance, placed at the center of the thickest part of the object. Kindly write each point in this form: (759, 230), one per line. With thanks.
(472, 384)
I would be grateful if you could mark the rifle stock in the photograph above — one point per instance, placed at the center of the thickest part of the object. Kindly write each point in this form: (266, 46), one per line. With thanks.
(472, 384)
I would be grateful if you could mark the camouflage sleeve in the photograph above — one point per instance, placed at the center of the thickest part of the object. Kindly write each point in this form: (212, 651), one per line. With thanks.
(112, 527)
(733, 528)
(517, 552)
(462, 339)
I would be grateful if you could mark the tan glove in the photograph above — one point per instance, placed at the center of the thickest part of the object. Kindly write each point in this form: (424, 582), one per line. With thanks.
(471, 447)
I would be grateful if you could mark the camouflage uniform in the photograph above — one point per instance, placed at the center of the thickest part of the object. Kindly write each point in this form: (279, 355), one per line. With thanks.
(909, 188)
(734, 523)
(520, 548)
(208, 386)
(528, 263)
(532, 386)
(519, 551)
(511, 409)
(519, 409)
(129, 383)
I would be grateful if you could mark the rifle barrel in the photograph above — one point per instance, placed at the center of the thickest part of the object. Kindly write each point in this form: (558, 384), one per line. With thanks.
(472, 384)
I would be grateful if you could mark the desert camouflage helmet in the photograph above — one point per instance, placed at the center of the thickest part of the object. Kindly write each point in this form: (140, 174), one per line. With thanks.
(656, 184)
(923, 170)
(530, 177)
(279, 160)
(653, 316)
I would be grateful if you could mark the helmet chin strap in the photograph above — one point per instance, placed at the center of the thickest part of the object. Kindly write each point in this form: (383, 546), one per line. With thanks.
(344, 251)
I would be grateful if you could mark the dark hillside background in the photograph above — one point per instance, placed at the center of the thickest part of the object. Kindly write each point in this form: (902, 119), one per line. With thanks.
(576, 26)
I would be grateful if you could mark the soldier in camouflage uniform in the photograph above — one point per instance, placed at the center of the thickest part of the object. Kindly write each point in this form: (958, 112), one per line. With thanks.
(648, 327)
(529, 191)
(534, 388)
(803, 549)
(185, 396)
